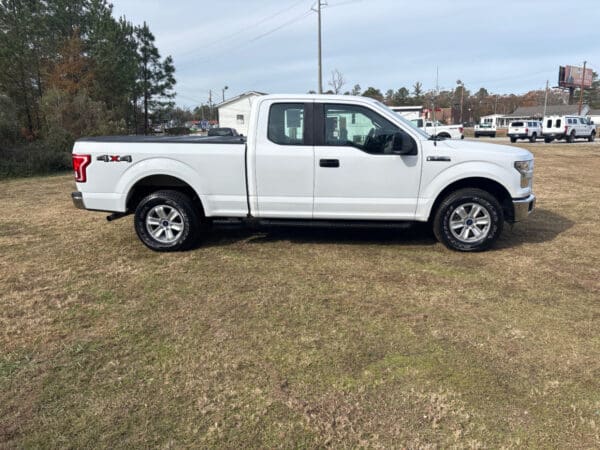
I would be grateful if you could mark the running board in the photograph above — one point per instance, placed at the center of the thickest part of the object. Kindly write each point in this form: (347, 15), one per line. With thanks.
(399, 225)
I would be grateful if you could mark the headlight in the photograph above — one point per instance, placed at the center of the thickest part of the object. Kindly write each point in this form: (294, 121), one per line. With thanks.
(525, 168)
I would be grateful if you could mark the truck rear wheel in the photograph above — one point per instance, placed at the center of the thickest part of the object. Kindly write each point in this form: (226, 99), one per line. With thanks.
(533, 138)
(570, 137)
(468, 220)
(592, 137)
(167, 221)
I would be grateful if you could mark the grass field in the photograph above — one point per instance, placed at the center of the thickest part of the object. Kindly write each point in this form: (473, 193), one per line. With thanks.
(302, 338)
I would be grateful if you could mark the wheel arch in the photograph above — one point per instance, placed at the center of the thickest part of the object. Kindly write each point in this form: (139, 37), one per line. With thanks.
(158, 182)
(486, 184)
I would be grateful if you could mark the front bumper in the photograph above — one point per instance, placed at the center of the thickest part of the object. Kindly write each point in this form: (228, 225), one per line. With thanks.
(523, 207)
(77, 198)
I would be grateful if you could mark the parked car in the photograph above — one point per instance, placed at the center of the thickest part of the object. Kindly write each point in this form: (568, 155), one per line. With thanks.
(568, 128)
(223, 132)
(485, 129)
(525, 129)
(437, 128)
(308, 160)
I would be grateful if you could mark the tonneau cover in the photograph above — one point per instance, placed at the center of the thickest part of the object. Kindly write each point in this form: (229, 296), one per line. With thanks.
(168, 139)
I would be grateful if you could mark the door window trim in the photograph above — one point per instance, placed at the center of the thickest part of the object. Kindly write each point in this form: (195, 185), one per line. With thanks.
(308, 132)
(319, 128)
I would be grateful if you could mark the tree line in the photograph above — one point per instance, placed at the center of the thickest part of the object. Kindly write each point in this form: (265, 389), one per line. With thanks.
(69, 68)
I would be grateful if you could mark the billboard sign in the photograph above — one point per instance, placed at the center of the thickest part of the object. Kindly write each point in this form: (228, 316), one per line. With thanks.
(573, 77)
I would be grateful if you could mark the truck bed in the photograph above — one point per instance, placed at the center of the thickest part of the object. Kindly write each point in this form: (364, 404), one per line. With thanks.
(214, 167)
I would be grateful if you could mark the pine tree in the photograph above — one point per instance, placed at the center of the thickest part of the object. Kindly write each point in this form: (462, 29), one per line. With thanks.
(155, 77)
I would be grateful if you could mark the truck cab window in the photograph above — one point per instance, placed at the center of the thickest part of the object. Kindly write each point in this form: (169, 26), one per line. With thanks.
(286, 124)
(357, 126)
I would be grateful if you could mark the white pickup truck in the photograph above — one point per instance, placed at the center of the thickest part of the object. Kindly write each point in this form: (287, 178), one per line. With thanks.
(307, 160)
(437, 128)
(485, 129)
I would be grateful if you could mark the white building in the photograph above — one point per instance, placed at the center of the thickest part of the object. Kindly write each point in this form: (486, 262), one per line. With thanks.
(495, 120)
(408, 112)
(235, 112)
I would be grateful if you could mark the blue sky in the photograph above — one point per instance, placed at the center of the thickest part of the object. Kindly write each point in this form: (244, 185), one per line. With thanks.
(506, 46)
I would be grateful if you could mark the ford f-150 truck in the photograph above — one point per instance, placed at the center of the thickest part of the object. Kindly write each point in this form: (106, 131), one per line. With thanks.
(307, 160)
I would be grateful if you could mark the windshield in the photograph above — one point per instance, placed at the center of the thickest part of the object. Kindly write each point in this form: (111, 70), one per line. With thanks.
(406, 122)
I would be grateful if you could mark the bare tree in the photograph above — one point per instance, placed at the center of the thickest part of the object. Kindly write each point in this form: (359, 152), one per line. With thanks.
(337, 81)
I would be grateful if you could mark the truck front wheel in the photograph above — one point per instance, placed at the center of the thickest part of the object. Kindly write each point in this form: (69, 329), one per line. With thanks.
(167, 221)
(468, 220)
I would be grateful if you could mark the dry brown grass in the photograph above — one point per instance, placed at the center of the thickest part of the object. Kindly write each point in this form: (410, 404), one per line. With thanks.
(302, 338)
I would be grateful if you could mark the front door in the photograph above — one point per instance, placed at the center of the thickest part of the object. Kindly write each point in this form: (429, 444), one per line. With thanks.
(356, 174)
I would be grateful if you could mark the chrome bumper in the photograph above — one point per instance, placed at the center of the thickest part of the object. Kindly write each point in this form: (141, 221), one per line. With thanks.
(523, 207)
(77, 200)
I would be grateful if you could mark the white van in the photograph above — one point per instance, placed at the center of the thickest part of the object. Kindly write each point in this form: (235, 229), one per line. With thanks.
(525, 129)
(568, 128)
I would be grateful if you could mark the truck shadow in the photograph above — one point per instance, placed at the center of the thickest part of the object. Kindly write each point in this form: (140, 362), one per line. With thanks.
(419, 234)
(542, 226)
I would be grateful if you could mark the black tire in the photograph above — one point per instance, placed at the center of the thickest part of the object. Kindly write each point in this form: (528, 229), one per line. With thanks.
(476, 135)
(570, 138)
(533, 138)
(184, 226)
(448, 210)
(513, 139)
(548, 140)
(494, 135)
(592, 137)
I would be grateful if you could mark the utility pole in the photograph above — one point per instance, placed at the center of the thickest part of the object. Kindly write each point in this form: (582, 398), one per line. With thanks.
(581, 88)
(224, 89)
(462, 96)
(546, 99)
(210, 104)
(320, 59)
(437, 91)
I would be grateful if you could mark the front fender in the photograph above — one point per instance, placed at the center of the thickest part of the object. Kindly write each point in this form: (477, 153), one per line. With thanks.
(432, 187)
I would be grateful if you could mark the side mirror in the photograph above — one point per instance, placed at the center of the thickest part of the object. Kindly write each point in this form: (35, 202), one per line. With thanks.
(402, 145)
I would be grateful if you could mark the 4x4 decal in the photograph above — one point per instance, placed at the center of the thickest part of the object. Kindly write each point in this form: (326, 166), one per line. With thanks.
(114, 158)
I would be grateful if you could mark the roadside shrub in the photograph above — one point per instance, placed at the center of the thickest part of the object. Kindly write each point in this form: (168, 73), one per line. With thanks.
(177, 131)
(34, 158)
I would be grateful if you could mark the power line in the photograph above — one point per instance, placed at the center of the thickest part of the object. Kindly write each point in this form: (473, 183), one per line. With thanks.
(348, 2)
(254, 39)
(243, 30)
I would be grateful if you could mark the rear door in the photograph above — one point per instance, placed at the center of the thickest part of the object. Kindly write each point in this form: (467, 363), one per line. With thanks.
(356, 175)
(284, 160)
